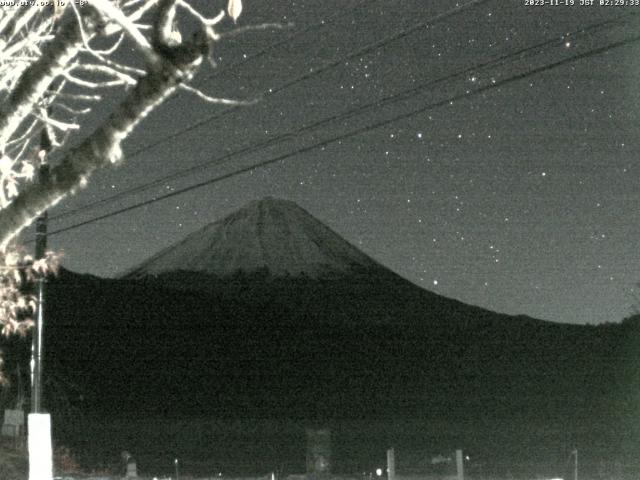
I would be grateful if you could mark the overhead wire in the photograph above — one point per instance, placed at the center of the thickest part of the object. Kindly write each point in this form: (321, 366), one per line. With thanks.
(359, 131)
(362, 51)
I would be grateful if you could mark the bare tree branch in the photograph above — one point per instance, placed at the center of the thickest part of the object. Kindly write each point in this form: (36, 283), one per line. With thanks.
(215, 100)
(107, 8)
(104, 145)
(36, 80)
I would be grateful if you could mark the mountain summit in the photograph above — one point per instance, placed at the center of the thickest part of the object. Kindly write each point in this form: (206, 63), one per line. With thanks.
(272, 235)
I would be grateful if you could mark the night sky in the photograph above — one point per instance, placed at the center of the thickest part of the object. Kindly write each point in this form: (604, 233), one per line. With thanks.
(522, 198)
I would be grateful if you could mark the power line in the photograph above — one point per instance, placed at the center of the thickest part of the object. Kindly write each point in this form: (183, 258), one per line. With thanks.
(359, 131)
(394, 98)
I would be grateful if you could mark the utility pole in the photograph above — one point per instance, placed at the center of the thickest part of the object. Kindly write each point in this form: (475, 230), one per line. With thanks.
(39, 440)
(41, 248)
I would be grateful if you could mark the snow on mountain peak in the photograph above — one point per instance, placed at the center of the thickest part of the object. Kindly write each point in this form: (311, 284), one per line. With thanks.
(270, 234)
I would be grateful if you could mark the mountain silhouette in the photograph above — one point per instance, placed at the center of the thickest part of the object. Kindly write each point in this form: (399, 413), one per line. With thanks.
(269, 314)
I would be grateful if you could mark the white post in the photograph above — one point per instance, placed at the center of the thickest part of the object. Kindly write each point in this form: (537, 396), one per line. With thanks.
(391, 464)
(460, 464)
(40, 454)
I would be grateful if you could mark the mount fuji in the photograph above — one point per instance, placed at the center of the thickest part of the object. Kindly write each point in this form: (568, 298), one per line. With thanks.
(269, 235)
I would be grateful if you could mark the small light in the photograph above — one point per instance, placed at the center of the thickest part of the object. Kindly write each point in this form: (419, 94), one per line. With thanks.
(379, 472)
